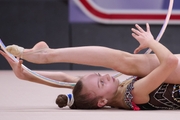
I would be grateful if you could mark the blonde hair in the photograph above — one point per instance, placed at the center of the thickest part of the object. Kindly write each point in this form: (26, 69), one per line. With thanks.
(118, 100)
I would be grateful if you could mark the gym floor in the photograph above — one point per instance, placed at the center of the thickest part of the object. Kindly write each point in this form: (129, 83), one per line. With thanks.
(22, 100)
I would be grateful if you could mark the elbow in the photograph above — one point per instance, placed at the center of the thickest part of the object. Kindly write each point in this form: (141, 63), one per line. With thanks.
(172, 61)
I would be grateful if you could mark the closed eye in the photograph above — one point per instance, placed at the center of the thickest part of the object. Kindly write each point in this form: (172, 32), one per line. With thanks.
(98, 74)
(102, 82)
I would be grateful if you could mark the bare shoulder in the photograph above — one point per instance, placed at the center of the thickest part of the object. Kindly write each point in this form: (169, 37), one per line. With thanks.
(138, 98)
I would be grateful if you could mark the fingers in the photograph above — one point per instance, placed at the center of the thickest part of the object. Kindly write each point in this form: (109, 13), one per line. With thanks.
(134, 35)
(5, 55)
(20, 63)
(2, 53)
(9, 60)
(137, 32)
(136, 50)
(148, 27)
(139, 28)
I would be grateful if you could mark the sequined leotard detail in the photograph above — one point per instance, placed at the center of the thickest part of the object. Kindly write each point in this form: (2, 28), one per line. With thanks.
(165, 97)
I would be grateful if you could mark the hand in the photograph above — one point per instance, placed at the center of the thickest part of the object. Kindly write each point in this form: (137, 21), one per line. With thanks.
(16, 67)
(143, 37)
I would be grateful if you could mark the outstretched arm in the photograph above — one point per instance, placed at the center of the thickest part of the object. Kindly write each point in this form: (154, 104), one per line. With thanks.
(168, 63)
(24, 75)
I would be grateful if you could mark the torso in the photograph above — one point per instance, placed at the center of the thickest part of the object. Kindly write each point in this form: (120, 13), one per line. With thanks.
(165, 97)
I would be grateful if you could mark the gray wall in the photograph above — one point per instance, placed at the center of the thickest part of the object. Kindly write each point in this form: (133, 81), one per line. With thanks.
(26, 22)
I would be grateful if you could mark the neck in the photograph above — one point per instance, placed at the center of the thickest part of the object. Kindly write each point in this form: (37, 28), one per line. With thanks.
(118, 99)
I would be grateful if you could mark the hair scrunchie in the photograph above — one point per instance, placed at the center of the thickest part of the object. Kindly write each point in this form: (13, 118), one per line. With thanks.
(70, 100)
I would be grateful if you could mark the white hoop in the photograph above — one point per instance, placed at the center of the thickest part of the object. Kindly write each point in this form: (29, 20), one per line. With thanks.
(73, 84)
(33, 73)
(164, 25)
(160, 33)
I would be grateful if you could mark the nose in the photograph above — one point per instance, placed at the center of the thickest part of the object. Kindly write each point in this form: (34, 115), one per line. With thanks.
(107, 77)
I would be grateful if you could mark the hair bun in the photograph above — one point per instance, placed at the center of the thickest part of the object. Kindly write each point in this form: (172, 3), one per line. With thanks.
(61, 100)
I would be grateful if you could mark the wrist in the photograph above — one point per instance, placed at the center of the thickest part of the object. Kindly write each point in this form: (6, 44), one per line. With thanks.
(151, 43)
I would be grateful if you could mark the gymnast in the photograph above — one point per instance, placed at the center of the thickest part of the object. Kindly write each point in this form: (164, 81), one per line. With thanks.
(156, 87)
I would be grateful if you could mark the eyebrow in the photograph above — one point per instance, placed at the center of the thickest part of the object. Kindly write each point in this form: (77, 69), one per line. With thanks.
(98, 83)
(98, 79)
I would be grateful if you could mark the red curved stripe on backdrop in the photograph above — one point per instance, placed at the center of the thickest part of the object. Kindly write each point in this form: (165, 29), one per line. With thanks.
(102, 15)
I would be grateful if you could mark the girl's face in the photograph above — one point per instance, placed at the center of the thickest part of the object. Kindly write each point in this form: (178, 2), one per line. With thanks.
(103, 86)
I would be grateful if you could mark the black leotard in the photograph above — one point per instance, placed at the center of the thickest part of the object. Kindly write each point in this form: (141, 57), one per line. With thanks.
(165, 97)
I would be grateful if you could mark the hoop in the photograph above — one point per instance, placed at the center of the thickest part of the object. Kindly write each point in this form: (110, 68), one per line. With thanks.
(164, 25)
(66, 84)
(52, 81)
(161, 31)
